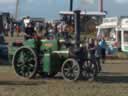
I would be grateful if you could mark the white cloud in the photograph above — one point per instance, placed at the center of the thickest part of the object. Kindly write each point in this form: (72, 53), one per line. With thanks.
(121, 1)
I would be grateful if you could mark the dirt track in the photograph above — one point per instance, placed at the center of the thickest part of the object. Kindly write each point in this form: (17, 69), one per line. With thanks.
(113, 81)
(118, 67)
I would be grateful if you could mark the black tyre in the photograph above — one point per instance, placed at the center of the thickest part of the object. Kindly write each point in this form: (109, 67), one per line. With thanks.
(70, 70)
(88, 71)
(25, 62)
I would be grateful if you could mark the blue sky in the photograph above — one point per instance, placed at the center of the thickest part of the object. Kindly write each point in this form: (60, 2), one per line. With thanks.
(50, 8)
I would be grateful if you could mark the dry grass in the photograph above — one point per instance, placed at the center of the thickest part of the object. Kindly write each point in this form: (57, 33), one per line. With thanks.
(122, 55)
(66, 89)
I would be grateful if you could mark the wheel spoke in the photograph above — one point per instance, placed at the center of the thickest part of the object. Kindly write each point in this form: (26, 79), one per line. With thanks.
(21, 56)
(66, 69)
(67, 74)
(19, 64)
(69, 64)
(20, 71)
(28, 57)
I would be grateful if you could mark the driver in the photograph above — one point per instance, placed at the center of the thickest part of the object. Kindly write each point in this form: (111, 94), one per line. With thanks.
(29, 31)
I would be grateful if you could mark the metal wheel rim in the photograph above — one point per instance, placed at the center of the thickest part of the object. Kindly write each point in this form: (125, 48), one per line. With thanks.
(88, 70)
(70, 71)
(24, 65)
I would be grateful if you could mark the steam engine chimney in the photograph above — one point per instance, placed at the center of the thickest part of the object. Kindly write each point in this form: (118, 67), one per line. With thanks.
(100, 5)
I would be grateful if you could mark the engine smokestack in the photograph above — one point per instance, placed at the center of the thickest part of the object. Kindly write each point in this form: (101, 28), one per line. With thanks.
(77, 26)
(100, 5)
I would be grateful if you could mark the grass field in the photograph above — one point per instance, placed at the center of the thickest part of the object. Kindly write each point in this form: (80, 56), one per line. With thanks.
(115, 84)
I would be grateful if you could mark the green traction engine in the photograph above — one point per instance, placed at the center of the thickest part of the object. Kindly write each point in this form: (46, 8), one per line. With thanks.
(49, 57)
(44, 59)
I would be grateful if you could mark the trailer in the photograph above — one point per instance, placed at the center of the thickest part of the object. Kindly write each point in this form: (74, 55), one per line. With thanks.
(114, 30)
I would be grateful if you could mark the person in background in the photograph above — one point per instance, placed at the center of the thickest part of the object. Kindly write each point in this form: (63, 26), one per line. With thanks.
(103, 45)
(17, 29)
(55, 28)
(65, 31)
(51, 32)
(6, 29)
(97, 55)
(91, 48)
(36, 27)
(26, 21)
(12, 29)
(29, 31)
(41, 27)
(59, 29)
(46, 27)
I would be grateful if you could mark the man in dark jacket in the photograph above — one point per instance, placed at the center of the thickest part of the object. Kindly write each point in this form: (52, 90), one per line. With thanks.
(29, 31)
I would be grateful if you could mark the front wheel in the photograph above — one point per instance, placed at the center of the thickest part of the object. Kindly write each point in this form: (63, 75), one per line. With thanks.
(70, 70)
(89, 70)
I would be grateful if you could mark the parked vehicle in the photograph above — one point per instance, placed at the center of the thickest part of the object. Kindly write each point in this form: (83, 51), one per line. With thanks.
(114, 30)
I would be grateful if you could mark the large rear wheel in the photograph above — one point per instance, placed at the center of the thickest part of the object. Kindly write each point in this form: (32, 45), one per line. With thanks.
(25, 62)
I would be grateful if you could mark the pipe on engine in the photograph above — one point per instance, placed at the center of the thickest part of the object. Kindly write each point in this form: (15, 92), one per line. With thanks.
(101, 9)
(77, 27)
(71, 5)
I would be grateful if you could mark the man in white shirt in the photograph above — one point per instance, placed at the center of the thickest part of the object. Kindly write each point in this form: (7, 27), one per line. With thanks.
(26, 21)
